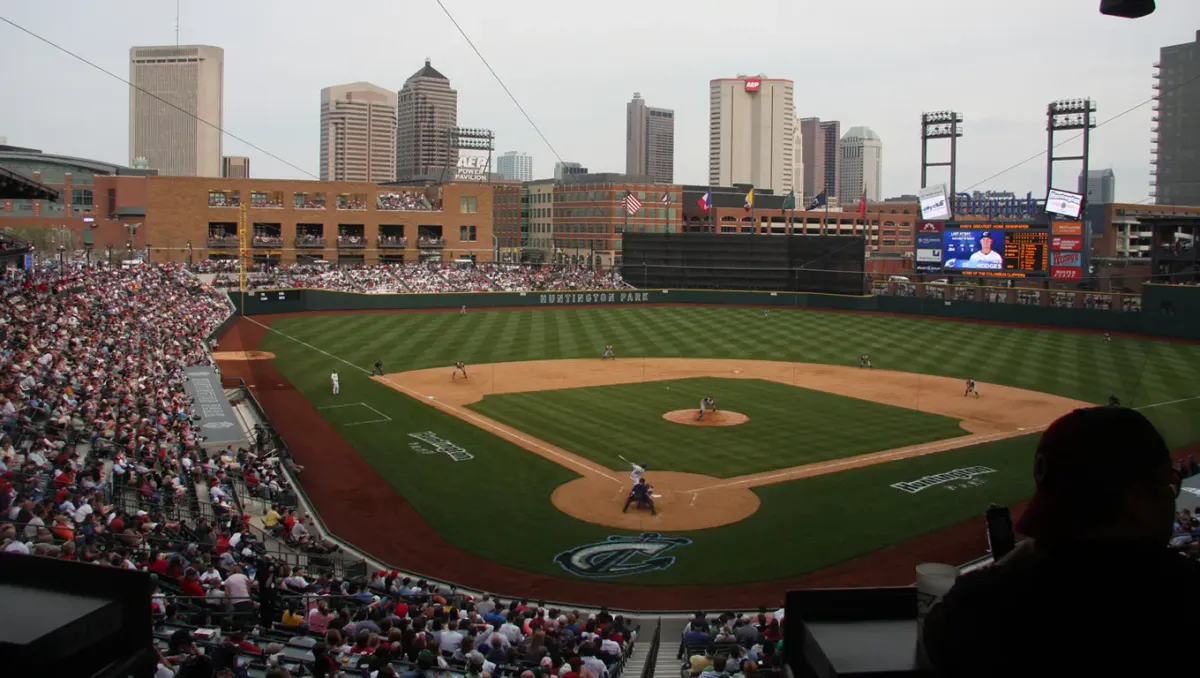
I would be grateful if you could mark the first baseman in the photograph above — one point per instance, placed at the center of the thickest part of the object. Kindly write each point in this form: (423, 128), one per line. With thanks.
(608, 353)
(865, 361)
(459, 366)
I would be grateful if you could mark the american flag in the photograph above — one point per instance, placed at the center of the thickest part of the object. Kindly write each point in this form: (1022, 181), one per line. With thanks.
(632, 204)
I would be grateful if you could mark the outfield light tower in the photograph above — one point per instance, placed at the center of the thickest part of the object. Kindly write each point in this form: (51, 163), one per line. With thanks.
(1065, 116)
(941, 125)
(468, 139)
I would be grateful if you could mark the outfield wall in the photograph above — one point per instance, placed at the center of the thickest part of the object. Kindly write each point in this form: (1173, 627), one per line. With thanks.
(1167, 310)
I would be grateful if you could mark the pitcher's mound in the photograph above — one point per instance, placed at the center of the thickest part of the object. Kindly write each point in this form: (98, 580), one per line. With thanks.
(243, 355)
(718, 418)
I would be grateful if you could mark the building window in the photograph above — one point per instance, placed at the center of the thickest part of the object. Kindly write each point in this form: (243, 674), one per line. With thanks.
(82, 198)
(466, 233)
(468, 204)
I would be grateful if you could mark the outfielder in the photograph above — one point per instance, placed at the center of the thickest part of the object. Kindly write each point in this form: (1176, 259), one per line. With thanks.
(333, 378)
(459, 366)
(1107, 338)
(865, 361)
(706, 405)
(462, 311)
(971, 388)
(608, 353)
(377, 368)
(641, 494)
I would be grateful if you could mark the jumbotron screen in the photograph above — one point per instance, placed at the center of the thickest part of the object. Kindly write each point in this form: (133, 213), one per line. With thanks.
(996, 250)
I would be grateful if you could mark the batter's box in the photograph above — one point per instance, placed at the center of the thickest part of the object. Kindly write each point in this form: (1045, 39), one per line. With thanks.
(379, 417)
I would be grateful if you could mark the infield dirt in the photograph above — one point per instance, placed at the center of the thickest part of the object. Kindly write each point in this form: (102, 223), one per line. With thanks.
(694, 502)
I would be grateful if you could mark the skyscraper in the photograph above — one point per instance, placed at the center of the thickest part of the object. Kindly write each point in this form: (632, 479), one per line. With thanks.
(798, 165)
(567, 168)
(649, 141)
(358, 133)
(862, 165)
(832, 146)
(813, 157)
(1177, 163)
(515, 166)
(751, 139)
(428, 110)
(174, 89)
(235, 167)
(1099, 187)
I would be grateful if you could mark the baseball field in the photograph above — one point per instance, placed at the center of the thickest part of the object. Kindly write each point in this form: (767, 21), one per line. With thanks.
(516, 475)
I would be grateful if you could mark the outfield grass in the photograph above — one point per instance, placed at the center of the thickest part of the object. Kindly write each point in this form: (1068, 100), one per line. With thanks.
(788, 426)
(812, 522)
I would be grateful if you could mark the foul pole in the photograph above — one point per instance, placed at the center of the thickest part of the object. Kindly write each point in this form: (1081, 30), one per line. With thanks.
(242, 239)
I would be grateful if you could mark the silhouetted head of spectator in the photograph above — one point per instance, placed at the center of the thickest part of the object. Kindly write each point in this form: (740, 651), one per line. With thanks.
(1102, 473)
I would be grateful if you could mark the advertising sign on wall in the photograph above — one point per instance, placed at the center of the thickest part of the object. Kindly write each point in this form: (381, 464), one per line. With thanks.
(1066, 273)
(1067, 228)
(1066, 259)
(1061, 244)
(753, 84)
(929, 253)
(934, 203)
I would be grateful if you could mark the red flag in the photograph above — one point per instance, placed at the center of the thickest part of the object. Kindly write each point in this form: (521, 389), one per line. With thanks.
(862, 205)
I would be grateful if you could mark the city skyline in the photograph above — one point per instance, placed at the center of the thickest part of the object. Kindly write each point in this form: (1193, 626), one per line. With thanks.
(751, 132)
(358, 133)
(173, 85)
(515, 166)
(426, 111)
(649, 141)
(266, 95)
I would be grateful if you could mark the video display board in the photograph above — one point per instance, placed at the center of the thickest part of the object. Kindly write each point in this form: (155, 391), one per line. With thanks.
(1008, 250)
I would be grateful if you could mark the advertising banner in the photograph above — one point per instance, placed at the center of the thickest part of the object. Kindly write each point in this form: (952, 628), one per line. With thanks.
(1057, 273)
(929, 253)
(472, 166)
(929, 227)
(1060, 244)
(934, 203)
(1067, 228)
(1065, 203)
(1066, 259)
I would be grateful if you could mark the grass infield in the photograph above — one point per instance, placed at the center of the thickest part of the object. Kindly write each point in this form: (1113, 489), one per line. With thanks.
(500, 497)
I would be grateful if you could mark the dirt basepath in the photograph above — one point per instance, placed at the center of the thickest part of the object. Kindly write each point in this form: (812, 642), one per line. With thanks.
(694, 502)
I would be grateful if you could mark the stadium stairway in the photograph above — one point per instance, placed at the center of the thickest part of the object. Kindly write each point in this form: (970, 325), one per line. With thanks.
(667, 663)
(636, 663)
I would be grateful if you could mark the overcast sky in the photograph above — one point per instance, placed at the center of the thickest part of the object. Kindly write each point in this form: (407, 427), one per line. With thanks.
(573, 67)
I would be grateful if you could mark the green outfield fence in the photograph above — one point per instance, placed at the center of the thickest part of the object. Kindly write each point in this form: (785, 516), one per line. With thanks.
(1171, 311)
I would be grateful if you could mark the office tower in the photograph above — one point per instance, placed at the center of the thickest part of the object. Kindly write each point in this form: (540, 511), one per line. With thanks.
(428, 111)
(515, 166)
(751, 138)
(235, 167)
(1099, 187)
(176, 108)
(1177, 142)
(568, 168)
(649, 141)
(862, 165)
(813, 181)
(798, 165)
(831, 131)
(358, 133)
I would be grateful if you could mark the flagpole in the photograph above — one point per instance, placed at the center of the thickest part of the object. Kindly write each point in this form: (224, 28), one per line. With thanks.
(625, 209)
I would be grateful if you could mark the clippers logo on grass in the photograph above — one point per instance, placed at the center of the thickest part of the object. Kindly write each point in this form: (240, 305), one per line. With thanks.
(970, 474)
(621, 556)
(439, 445)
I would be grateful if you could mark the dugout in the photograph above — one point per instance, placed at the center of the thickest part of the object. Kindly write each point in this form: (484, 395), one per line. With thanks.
(832, 264)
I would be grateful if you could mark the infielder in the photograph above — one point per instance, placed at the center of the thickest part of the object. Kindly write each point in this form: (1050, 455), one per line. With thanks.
(608, 353)
(459, 366)
(641, 494)
(706, 405)
(971, 388)
(865, 361)
(333, 378)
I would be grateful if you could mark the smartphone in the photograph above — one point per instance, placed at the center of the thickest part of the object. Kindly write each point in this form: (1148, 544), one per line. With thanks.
(1001, 538)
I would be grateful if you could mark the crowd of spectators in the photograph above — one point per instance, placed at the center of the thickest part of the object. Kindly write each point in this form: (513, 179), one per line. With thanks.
(399, 241)
(221, 199)
(351, 240)
(403, 202)
(304, 201)
(310, 239)
(225, 236)
(419, 278)
(351, 202)
(268, 237)
(730, 645)
(259, 200)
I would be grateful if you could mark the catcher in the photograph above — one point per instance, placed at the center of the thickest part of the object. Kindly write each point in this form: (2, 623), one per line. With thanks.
(642, 493)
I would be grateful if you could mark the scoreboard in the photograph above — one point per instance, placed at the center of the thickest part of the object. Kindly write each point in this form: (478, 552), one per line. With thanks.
(996, 250)
(1025, 251)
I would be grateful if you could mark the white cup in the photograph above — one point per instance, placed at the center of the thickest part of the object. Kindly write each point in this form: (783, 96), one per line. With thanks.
(934, 580)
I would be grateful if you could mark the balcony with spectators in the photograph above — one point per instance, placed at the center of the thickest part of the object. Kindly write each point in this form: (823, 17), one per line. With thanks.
(351, 237)
(430, 237)
(272, 200)
(267, 236)
(310, 236)
(308, 201)
(356, 202)
(391, 237)
(406, 201)
(223, 235)
(224, 198)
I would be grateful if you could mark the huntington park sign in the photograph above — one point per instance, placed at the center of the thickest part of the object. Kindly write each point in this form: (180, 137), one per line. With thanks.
(575, 298)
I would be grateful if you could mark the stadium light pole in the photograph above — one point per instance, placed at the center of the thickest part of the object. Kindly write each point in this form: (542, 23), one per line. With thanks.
(935, 126)
(1064, 116)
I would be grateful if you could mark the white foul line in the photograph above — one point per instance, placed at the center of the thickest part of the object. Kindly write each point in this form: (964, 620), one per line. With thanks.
(1169, 402)
(461, 413)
